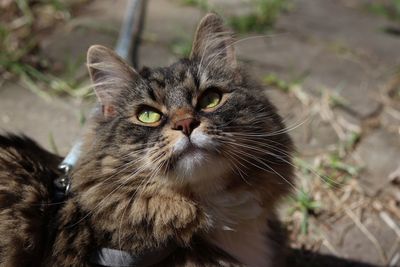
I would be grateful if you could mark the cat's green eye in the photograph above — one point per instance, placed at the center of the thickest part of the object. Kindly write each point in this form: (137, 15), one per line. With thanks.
(149, 116)
(210, 100)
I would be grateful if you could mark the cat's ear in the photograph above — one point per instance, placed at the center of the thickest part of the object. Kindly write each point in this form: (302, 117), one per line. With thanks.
(213, 41)
(110, 75)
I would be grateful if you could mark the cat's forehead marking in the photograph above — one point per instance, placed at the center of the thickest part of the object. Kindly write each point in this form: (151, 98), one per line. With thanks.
(189, 81)
(179, 69)
(174, 86)
(182, 92)
(178, 96)
(156, 82)
(159, 77)
(156, 91)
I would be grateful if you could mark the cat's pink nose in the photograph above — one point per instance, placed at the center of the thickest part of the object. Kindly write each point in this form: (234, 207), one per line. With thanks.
(186, 125)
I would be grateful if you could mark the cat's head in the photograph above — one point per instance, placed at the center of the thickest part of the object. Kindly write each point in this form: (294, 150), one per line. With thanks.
(199, 121)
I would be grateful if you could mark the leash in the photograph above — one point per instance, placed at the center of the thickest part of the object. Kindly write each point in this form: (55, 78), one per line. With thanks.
(127, 47)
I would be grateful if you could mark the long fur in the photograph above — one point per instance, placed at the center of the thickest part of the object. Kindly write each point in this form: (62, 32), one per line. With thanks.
(138, 187)
(26, 175)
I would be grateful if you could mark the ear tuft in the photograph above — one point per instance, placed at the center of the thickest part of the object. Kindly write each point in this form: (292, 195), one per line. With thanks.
(110, 75)
(213, 41)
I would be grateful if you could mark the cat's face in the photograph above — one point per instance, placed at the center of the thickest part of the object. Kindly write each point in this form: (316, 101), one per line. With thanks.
(197, 121)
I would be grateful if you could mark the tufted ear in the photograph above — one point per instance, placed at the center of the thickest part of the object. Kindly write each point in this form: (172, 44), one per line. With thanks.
(213, 42)
(110, 75)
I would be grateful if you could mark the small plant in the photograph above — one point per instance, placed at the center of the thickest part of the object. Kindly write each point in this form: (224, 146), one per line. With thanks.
(203, 4)
(351, 141)
(286, 86)
(304, 203)
(389, 9)
(334, 97)
(273, 80)
(181, 45)
(82, 118)
(19, 46)
(336, 163)
(335, 171)
(262, 18)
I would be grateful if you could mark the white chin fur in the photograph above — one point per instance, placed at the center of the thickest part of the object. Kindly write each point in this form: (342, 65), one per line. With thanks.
(191, 162)
(197, 165)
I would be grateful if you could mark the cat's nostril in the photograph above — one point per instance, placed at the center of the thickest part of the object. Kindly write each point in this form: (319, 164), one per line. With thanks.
(186, 125)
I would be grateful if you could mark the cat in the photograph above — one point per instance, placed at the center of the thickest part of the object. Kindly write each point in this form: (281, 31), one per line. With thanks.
(184, 164)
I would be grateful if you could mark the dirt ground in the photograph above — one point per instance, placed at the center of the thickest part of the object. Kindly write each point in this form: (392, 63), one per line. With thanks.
(333, 72)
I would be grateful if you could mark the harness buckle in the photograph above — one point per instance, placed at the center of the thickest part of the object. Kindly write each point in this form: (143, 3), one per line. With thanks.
(63, 183)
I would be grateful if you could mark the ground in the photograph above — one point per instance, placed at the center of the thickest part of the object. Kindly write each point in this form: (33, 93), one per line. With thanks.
(332, 70)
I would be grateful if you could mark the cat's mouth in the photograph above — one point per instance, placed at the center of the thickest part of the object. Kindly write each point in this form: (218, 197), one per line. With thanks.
(196, 163)
(188, 156)
(193, 155)
(190, 150)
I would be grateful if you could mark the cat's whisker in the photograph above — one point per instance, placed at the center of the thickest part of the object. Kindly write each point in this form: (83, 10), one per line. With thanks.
(263, 142)
(269, 134)
(245, 146)
(122, 218)
(283, 152)
(129, 203)
(145, 166)
(159, 163)
(232, 159)
(128, 164)
(137, 171)
(240, 152)
(122, 168)
(252, 157)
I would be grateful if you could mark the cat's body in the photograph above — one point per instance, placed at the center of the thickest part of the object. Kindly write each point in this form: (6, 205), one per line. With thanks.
(26, 189)
(192, 156)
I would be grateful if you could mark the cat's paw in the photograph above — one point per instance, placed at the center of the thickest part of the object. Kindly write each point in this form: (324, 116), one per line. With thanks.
(177, 217)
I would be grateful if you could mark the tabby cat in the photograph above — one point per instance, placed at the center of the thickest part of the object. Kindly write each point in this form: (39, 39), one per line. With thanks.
(184, 164)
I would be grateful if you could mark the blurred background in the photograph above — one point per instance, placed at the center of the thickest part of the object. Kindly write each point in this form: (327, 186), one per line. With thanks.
(332, 67)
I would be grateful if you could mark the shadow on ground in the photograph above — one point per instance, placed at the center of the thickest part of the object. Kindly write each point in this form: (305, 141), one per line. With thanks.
(302, 258)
